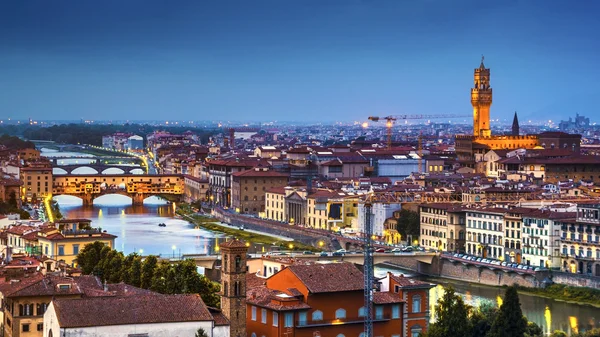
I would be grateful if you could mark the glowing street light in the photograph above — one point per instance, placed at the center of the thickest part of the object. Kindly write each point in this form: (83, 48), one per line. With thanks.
(174, 247)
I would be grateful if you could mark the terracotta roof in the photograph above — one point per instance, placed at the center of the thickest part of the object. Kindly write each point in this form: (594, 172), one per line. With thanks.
(277, 190)
(406, 282)
(218, 316)
(19, 229)
(333, 277)
(48, 286)
(274, 299)
(253, 281)
(259, 173)
(235, 243)
(386, 298)
(103, 311)
(60, 236)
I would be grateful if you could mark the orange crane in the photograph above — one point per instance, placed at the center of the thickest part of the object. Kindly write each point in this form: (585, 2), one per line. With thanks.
(390, 120)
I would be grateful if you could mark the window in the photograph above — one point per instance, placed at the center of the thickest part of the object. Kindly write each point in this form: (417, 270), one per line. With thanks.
(238, 263)
(254, 313)
(75, 249)
(275, 318)
(379, 312)
(302, 318)
(263, 316)
(415, 331)
(416, 303)
(317, 315)
(289, 320)
(396, 311)
(40, 326)
(253, 334)
(362, 312)
(340, 314)
(340, 335)
(61, 250)
(25, 327)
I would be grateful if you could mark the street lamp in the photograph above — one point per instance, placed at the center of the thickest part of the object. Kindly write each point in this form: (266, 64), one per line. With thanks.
(141, 251)
(174, 247)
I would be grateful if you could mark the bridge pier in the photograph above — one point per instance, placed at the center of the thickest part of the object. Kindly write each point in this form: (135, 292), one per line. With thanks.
(88, 199)
(138, 199)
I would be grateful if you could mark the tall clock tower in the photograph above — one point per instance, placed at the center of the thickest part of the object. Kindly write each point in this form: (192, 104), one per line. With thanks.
(481, 99)
(233, 285)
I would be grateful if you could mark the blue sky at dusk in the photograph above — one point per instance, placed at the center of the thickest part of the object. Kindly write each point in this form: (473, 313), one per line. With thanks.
(328, 60)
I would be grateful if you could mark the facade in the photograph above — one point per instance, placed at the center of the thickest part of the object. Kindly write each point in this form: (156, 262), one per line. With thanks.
(580, 241)
(37, 181)
(220, 172)
(327, 300)
(233, 285)
(135, 143)
(380, 212)
(64, 244)
(485, 232)
(442, 227)
(248, 188)
(275, 204)
(195, 189)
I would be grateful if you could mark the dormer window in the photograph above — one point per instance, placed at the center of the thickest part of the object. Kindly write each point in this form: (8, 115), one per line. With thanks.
(64, 286)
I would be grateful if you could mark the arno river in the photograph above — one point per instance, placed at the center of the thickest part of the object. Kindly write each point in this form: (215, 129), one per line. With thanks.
(137, 230)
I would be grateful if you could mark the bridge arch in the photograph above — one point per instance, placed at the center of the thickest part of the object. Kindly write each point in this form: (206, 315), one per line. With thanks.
(113, 170)
(58, 171)
(83, 170)
(137, 171)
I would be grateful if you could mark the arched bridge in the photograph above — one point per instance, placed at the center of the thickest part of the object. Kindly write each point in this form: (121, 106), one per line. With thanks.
(99, 168)
(136, 186)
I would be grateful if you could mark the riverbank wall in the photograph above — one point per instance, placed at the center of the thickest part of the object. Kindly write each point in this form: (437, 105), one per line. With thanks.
(273, 227)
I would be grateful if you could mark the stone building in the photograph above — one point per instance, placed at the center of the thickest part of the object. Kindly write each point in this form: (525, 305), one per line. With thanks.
(233, 285)
(248, 188)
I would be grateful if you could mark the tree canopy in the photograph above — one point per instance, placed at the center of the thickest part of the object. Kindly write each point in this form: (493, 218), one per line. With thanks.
(452, 316)
(166, 278)
(510, 321)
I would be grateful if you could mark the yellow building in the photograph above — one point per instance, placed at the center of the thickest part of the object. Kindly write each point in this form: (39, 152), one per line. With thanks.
(69, 237)
(37, 181)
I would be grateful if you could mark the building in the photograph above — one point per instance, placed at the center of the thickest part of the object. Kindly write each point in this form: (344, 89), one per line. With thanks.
(233, 285)
(220, 171)
(37, 180)
(541, 238)
(135, 143)
(248, 188)
(142, 315)
(580, 241)
(307, 300)
(443, 227)
(195, 189)
(485, 232)
(64, 244)
(380, 212)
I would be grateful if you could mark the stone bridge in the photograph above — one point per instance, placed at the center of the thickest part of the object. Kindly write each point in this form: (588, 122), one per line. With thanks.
(99, 168)
(138, 187)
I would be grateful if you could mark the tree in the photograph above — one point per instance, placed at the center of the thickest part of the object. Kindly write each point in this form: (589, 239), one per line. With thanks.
(533, 330)
(89, 257)
(510, 321)
(408, 223)
(135, 272)
(482, 318)
(201, 333)
(558, 333)
(148, 268)
(452, 316)
(12, 199)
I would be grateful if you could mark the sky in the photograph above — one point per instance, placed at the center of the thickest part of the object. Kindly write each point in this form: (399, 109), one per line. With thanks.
(295, 60)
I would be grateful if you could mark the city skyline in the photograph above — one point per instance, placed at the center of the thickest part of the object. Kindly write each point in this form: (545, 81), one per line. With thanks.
(293, 61)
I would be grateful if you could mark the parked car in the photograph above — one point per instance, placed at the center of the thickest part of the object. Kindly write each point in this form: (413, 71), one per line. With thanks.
(408, 249)
(307, 252)
(338, 253)
(323, 254)
(343, 251)
(379, 250)
(396, 250)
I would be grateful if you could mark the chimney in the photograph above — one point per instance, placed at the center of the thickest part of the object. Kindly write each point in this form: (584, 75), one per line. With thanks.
(105, 286)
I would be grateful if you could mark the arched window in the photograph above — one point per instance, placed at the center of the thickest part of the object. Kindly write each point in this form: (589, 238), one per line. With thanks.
(416, 303)
(362, 312)
(362, 334)
(238, 263)
(50, 333)
(415, 331)
(253, 334)
(340, 313)
(317, 315)
(340, 335)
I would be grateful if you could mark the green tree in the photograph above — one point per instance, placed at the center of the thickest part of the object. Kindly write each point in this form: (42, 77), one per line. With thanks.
(533, 330)
(408, 223)
(12, 199)
(482, 318)
(510, 321)
(115, 265)
(558, 333)
(452, 316)
(89, 257)
(201, 333)
(148, 269)
(135, 272)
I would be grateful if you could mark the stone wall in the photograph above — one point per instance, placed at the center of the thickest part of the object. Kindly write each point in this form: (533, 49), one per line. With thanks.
(272, 227)
(576, 280)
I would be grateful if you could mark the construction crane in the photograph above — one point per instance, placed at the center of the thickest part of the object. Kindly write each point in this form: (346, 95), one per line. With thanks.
(368, 269)
(390, 120)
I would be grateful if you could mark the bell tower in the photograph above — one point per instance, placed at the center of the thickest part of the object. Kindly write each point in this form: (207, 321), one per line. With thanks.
(233, 285)
(481, 99)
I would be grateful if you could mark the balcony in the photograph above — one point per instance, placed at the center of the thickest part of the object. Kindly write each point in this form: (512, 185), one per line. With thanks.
(342, 321)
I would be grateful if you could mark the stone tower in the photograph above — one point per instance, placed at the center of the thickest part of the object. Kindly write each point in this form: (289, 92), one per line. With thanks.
(233, 285)
(515, 125)
(481, 99)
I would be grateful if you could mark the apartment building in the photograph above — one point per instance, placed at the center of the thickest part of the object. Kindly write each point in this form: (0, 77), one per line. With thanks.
(485, 232)
(248, 188)
(442, 227)
(541, 238)
(580, 241)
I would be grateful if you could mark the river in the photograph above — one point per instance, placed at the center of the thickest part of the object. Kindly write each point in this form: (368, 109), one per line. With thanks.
(137, 230)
